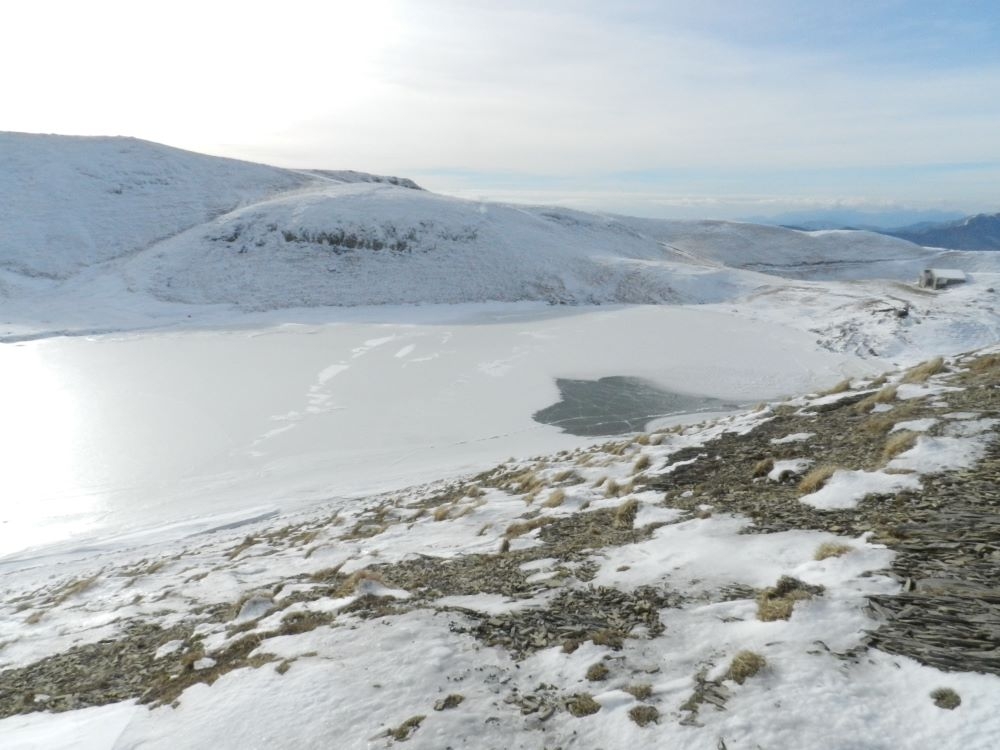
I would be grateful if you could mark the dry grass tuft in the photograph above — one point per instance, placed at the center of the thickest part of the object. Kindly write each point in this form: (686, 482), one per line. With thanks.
(520, 528)
(985, 364)
(831, 549)
(442, 512)
(612, 489)
(816, 478)
(626, 513)
(880, 424)
(296, 623)
(616, 449)
(356, 578)
(642, 439)
(744, 666)
(643, 715)
(556, 498)
(884, 395)
(283, 667)
(778, 601)
(922, 372)
(566, 475)
(640, 691)
(406, 729)
(73, 588)
(641, 464)
(599, 481)
(762, 468)
(451, 700)
(525, 482)
(898, 443)
(946, 698)
(246, 544)
(583, 704)
(597, 672)
(326, 574)
(842, 387)
(609, 637)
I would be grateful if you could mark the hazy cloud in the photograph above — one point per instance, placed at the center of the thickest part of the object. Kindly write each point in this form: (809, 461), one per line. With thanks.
(711, 101)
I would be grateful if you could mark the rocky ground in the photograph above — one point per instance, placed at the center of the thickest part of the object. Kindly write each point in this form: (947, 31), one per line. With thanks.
(552, 554)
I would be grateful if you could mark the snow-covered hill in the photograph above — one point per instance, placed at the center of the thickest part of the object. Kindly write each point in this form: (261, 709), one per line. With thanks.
(68, 202)
(103, 233)
(363, 244)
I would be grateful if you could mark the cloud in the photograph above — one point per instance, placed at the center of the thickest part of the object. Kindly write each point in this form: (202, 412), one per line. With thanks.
(707, 98)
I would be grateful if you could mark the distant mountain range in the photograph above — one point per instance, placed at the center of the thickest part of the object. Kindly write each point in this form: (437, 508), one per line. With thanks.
(980, 232)
(926, 228)
(849, 218)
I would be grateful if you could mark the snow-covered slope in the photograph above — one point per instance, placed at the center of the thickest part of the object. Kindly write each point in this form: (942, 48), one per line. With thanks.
(68, 202)
(821, 255)
(99, 233)
(362, 244)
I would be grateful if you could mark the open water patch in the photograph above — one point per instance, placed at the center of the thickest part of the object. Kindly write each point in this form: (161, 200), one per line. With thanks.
(617, 405)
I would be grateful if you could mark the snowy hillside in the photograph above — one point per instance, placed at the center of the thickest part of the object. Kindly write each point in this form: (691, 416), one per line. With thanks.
(365, 244)
(101, 234)
(69, 202)
(821, 255)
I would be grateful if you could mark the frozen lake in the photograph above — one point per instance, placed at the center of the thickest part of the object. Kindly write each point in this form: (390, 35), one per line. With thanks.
(117, 435)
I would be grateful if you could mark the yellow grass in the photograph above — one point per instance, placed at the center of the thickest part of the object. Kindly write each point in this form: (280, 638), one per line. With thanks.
(626, 513)
(744, 666)
(762, 468)
(922, 372)
(816, 478)
(520, 528)
(831, 549)
(884, 395)
(356, 578)
(842, 387)
(897, 443)
(555, 499)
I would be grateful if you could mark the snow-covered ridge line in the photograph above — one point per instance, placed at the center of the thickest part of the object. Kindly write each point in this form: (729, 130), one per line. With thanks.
(112, 228)
(668, 588)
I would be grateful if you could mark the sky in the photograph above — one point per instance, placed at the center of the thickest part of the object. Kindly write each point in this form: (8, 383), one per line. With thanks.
(678, 108)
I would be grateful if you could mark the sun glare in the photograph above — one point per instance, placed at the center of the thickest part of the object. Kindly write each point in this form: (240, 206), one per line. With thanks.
(41, 460)
(195, 73)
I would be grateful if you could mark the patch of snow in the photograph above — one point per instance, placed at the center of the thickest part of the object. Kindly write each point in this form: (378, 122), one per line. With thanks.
(795, 437)
(932, 455)
(915, 425)
(793, 466)
(845, 489)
